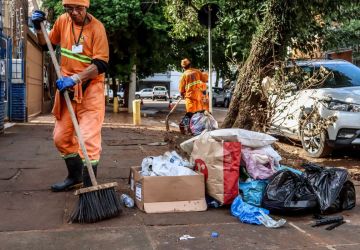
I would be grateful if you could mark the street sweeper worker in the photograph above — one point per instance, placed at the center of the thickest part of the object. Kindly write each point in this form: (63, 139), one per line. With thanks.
(84, 59)
(192, 87)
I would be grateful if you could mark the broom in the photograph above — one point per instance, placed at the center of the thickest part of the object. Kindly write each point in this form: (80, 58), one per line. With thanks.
(97, 202)
(168, 116)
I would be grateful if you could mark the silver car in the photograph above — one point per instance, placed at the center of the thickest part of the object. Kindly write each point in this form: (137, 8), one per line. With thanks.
(339, 96)
(218, 97)
(144, 93)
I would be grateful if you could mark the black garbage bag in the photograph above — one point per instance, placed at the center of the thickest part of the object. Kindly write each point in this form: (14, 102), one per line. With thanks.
(288, 193)
(334, 191)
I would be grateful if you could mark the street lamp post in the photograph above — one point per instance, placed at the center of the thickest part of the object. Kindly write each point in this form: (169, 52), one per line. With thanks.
(207, 16)
(210, 60)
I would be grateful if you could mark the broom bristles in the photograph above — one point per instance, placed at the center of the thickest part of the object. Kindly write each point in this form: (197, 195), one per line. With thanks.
(97, 205)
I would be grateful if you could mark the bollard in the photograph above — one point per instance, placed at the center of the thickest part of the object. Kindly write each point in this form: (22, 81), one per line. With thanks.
(116, 105)
(136, 112)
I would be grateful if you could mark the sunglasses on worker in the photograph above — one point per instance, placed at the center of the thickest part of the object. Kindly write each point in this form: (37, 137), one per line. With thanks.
(72, 9)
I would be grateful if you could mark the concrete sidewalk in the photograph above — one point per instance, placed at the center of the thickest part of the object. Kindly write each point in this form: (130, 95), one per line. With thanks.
(32, 217)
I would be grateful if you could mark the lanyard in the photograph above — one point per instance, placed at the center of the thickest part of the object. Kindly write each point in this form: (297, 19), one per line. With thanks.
(82, 28)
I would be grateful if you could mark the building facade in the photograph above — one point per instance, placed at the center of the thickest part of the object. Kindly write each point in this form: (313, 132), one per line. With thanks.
(22, 67)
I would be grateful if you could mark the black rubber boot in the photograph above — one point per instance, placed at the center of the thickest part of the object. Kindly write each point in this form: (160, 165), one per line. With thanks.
(73, 180)
(86, 176)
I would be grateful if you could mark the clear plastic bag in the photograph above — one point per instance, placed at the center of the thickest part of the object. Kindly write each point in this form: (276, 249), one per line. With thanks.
(269, 222)
(202, 121)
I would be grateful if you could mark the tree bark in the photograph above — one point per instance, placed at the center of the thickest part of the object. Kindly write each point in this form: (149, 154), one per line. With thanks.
(247, 109)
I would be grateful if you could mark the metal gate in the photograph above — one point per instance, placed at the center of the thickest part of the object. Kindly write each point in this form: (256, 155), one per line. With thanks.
(5, 73)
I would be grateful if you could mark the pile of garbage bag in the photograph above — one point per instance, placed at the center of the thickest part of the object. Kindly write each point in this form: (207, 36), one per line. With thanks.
(262, 181)
(242, 169)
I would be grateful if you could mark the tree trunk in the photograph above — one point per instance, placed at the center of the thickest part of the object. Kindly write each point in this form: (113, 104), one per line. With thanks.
(247, 109)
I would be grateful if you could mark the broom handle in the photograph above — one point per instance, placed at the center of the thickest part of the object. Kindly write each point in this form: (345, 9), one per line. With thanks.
(171, 111)
(68, 102)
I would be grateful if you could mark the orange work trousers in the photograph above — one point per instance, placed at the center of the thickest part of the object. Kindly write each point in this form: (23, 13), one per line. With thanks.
(90, 115)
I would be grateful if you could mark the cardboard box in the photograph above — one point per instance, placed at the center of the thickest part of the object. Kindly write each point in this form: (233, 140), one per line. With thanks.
(164, 194)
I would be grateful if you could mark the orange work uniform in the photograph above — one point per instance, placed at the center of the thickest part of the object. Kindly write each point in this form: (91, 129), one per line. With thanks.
(89, 107)
(192, 86)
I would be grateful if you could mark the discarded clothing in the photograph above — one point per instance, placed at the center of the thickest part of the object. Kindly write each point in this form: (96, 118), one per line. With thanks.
(259, 164)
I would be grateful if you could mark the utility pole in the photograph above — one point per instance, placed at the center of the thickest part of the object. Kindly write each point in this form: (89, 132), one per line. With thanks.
(207, 16)
(210, 60)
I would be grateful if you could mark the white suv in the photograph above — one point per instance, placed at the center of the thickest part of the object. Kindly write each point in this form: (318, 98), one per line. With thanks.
(338, 96)
(160, 92)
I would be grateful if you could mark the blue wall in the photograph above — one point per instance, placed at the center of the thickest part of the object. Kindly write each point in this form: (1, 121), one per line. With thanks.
(2, 107)
(18, 102)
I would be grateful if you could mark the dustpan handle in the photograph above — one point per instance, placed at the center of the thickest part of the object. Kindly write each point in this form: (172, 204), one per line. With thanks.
(68, 102)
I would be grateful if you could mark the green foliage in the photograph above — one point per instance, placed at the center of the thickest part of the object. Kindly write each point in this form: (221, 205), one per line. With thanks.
(134, 37)
(169, 30)
(346, 33)
(302, 24)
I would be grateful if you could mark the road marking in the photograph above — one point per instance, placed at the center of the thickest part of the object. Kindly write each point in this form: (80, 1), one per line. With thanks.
(333, 247)
(330, 247)
(298, 228)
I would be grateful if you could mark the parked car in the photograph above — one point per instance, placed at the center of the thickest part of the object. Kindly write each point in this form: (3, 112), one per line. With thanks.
(339, 95)
(144, 93)
(160, 92)
(218, 96)
(120, 95)
(176, 96)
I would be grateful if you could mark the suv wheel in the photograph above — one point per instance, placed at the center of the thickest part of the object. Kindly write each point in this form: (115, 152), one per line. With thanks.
(137, 96)
(313, 140)
(214, 102)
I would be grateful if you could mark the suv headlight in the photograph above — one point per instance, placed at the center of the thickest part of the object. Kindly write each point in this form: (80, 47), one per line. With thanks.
(342, 106)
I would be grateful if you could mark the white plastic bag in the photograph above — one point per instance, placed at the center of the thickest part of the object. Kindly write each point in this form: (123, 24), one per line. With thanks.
(146, 166)
(268, 150)
(245, 137)
(169, 164)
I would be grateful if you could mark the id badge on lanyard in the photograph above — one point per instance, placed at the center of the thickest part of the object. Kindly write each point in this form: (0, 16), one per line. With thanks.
(77, 48)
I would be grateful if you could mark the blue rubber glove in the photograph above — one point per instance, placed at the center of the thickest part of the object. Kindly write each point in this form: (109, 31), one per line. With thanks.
(64, 83)
(37, 17)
